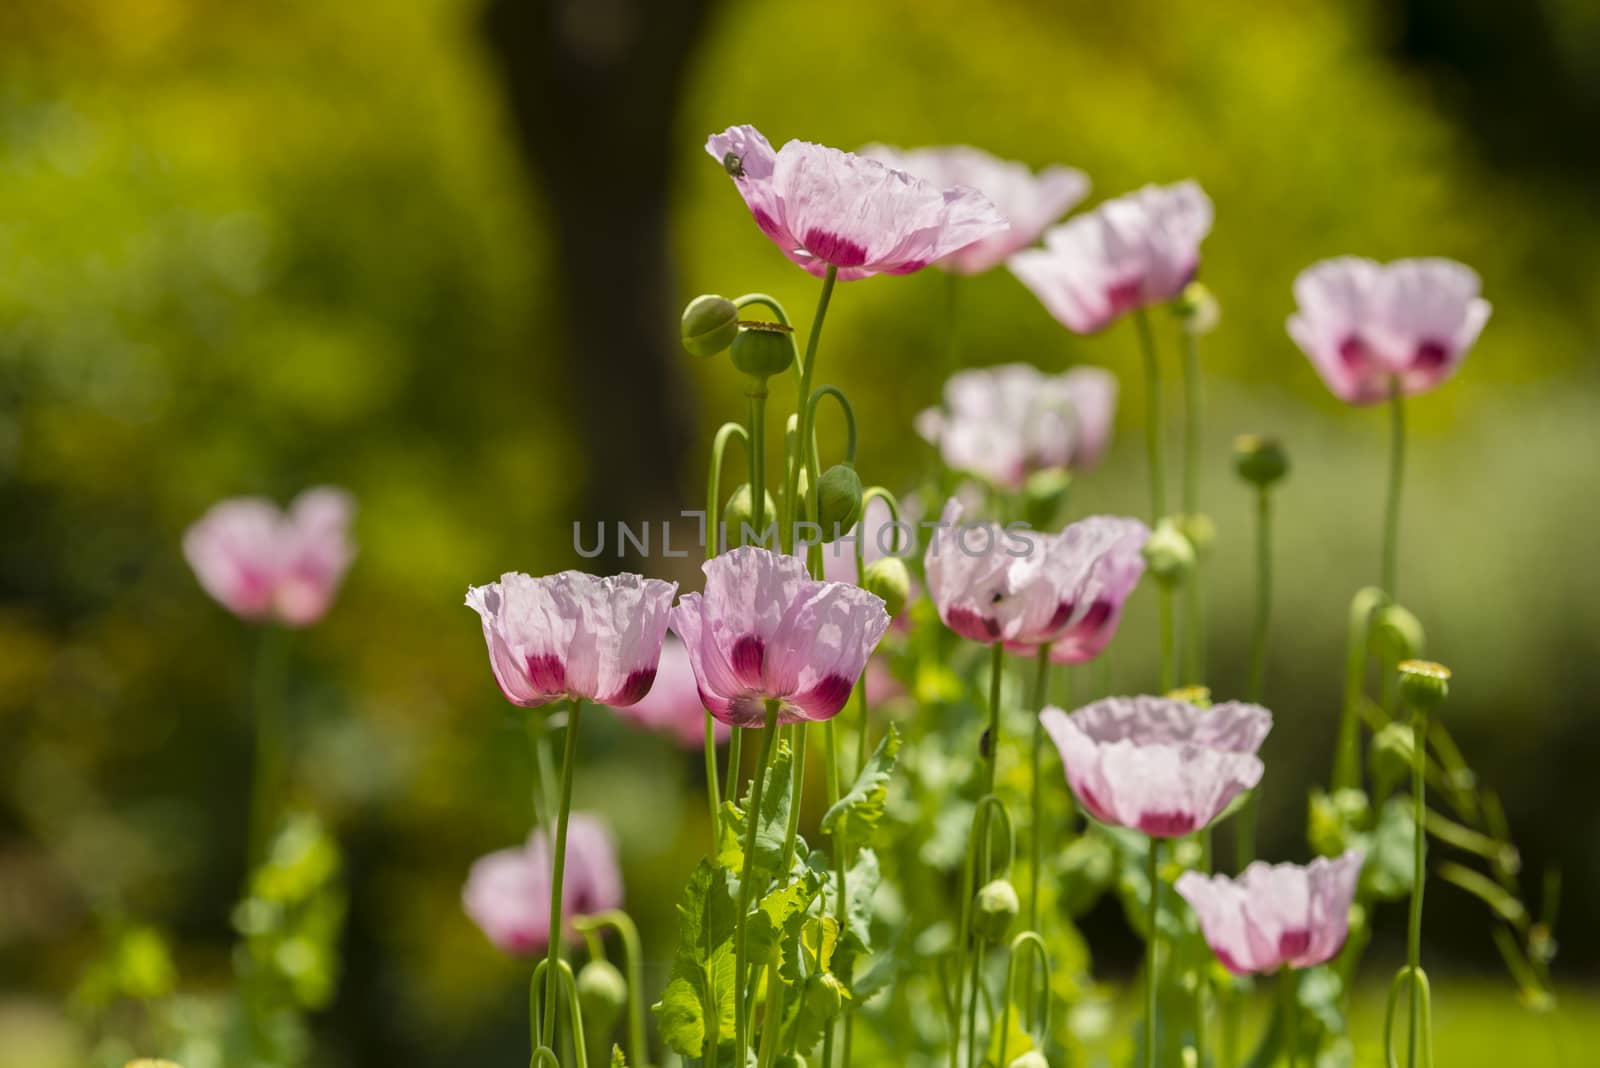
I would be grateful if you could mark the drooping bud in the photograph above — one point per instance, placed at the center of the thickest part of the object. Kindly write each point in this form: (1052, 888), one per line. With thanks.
(1260, 461)
(838, 500)
(1397, 634)
(603, 994)
(889, 578)
(710, 323)
(1031, 1059)
(740, 513)
(1393, 749)
(1197, 308)
(762, 350)
(993, 909)
(1168, 554)
(1424, 684)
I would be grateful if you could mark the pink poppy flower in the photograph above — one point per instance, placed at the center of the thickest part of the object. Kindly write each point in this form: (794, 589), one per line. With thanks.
(508, 892)
(573, 635)
(1365, 324)
(1004, 423)
(1110, 583)
(673, 703)
(1018, 586)
(1030, 202)
(764, 629)
(1275, 915)
(262, 563)
(826, 208)
(1131, 252)
(1159, 765)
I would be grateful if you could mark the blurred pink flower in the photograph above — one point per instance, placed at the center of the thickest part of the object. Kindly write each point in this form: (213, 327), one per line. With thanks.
(823, 207)
(1364, 324)
(508, 892)
(1019, 586)
(1030, 202)
(262, 563)
(1159, 765)
(1004, 423)
(573, 635)
(1275, 916)
(1131, 252)
(1111, 580)
(673, 703)
(764, 629)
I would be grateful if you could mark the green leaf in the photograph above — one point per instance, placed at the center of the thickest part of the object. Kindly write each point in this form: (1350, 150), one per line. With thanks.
(772, 823)
(780, 915)
(1390, 866)
(854, 817)
(700, 992)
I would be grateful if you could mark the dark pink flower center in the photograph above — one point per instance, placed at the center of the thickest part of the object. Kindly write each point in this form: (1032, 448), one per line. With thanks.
(1353, 352)
(833, 248)
(1293, 943)
(633, 688)
(972, 626)
(1430, 356)
(748, 655)
(1171, 824)
(547, 673)
(1124, 296)
(826, 698)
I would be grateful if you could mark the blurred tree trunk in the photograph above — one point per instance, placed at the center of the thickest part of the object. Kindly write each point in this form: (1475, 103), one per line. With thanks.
(594, 87)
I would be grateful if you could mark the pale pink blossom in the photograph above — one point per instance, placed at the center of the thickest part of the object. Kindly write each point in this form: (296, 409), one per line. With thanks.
(1275, 915)
(765, 630)
(1110, 583)
(262, 563)
(507, 893)
(1030, 202)
(1004, 423)
(673, 704)
(1366, 325)
(1159, 765)
(992, 583)
(826, 208)
(573, 635)
(1137, 250)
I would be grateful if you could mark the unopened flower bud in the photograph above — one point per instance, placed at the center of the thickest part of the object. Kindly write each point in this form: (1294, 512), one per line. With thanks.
(995, 906)
(1168, 554)
(740, 513)
(709, 324)
(1424, 684)
(1397, 634)
(603, 994)
(1259, 461)
(838, 500)
(762, 350)
(1200, 530)
(1393, 749)
(1031, 1059)
(888, 578)
(1197, 308)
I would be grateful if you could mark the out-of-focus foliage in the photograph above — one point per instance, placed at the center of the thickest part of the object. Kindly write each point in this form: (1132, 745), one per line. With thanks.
(252, 246)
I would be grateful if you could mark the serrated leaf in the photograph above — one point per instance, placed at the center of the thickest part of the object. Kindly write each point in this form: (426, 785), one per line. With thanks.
(780, 915)
(700, 992)
(854, 817)
(772, 823)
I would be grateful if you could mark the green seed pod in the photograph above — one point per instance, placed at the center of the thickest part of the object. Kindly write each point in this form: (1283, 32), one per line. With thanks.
(1391, 754)
(1260, 461)
(1397, 634)
(740, 512)
(603, 994)
(1031, 1059)
(1197, 308)
(762, 350)
(1168, 554)
(993, 910)
(709, 324)
(889, 578)
(1424, 684)
(823, 996)
(838, 500)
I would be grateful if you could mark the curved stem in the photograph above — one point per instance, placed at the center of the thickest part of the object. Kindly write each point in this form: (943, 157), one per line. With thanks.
(1152, 954)
(713, 529)
(633, 965)
(975, 871)
(558, 865)
(1152, 414)
(1036, 844)
(849, 419)
(751, 818)
(1039, 1027)
(1397, 468)
(768, 302)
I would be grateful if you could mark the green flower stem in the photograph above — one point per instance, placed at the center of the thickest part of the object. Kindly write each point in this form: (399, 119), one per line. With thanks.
(1027, 945)
(1194, 627)
(1169, 658)
(1258, 633)
(763, 760)
(806, 368)
(976, 982)
(1397, 469)
(992, 735)
(842, 910)
(975, 871)
(952, 335)
(1289, 993)
(1152, 414)
(633, 965)
(775, 985)
(267, 772)
(1152, 955)
(1036, 839)
(719, 446)
(544, 779)
(1347, 759)
(758, 457)
(1419, 789)
(558, 865)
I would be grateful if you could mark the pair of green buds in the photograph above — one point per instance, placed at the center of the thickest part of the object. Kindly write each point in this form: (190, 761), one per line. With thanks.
(711, 326)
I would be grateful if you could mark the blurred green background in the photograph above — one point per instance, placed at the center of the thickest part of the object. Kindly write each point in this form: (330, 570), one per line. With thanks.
(433, 251)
